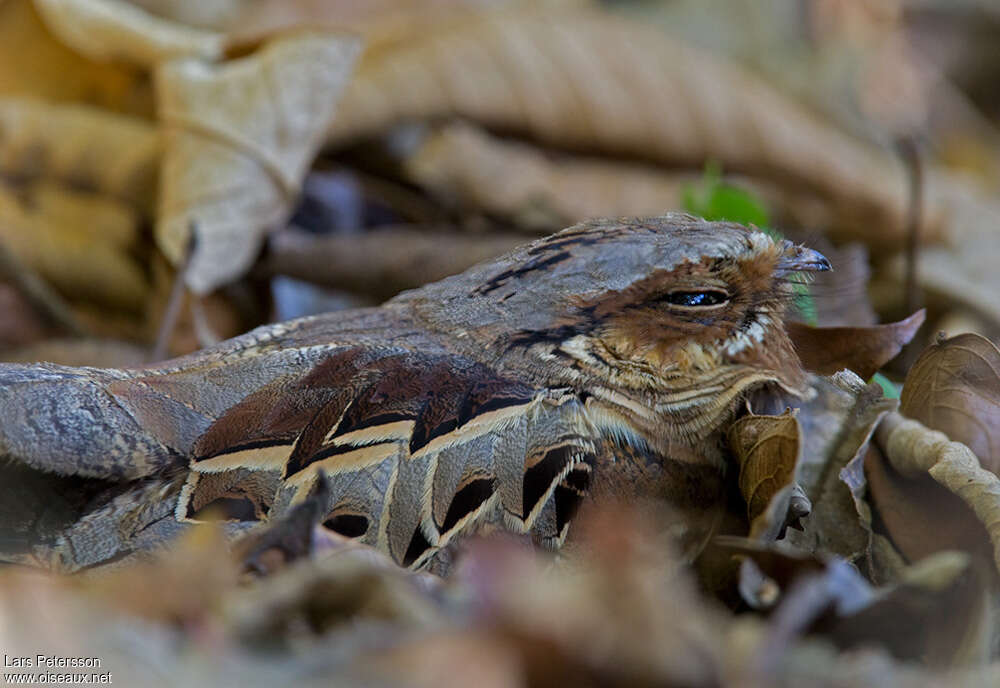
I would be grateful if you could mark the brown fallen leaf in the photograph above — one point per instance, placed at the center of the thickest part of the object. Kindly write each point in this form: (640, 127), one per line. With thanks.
(545, 189)
(80, 242)
(901, 504)
(587, 80)
(83, 147)
(108, 30)
(836, 427)
(239, 139)
(913, 449)
(954, 387)
(35, 64)
(826, 350)
(767, 450)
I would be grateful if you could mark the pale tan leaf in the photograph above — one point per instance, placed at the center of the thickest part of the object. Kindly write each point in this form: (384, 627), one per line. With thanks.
(84, 147)
(913, 449)
(239, 139)
(461, 163)
(33, 63)
(587, 80)
(380, 22)
(545, 190)
(79, 242)
(106, 30)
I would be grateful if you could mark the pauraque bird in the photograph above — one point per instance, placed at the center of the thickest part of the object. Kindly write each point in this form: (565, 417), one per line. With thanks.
(603, 360)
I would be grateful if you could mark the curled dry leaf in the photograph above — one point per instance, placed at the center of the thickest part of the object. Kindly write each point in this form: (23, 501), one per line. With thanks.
(545, 190)
(239, 139)
(837, 424)
(106, 30)
(917, 531)
(79, 242)
(913, 449)
(587, 80)
(461, 163)
(767, 450)
(954, 387)
(863, 350)
(84, 147)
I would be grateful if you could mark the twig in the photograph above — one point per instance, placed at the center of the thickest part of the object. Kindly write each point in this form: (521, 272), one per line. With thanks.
(176, 300)
(909, 152)
(43, 298)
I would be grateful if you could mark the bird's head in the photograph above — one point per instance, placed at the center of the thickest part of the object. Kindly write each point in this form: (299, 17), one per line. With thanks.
(664, 322)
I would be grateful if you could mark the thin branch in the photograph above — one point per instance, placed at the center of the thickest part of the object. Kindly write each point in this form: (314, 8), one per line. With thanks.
(175, 302)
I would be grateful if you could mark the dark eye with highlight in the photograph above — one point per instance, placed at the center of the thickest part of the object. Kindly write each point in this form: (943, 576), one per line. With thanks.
(696, 298)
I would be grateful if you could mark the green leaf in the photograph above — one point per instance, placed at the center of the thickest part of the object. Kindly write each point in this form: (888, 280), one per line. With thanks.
(889, 389)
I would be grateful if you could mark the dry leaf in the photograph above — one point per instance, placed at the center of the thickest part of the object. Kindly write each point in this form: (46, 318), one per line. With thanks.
(863, 350)
(587, 80)
(836, 425)
(107, 30)
(767, 450)
(384, 261)
(380, 22)
(239, 139)
(20, 325)
(98, 353)
(80, 242)
(461, 164)
(919, 515)
(954, 387)
(35, 64)
(80, 146)
(913, 449)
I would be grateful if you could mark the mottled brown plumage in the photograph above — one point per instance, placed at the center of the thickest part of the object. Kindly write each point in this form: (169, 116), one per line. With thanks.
(605, 359)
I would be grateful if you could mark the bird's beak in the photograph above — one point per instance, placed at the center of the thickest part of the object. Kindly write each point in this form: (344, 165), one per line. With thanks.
(801, 259)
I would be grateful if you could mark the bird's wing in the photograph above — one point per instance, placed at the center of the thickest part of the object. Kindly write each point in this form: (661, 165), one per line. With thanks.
(417, 447)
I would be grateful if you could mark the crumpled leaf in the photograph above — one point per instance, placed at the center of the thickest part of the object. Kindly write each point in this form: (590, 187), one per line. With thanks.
(239, 139)
(81, 146)
(33, 63)
(767, 450)
(836, 427)
(916, 531)
(79, 242)
(913, 449)
(954, 387)
(587, 80)
(106, 30)
(863, 350)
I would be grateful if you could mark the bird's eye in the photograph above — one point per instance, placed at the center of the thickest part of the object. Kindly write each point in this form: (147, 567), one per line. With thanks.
(697, 298)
